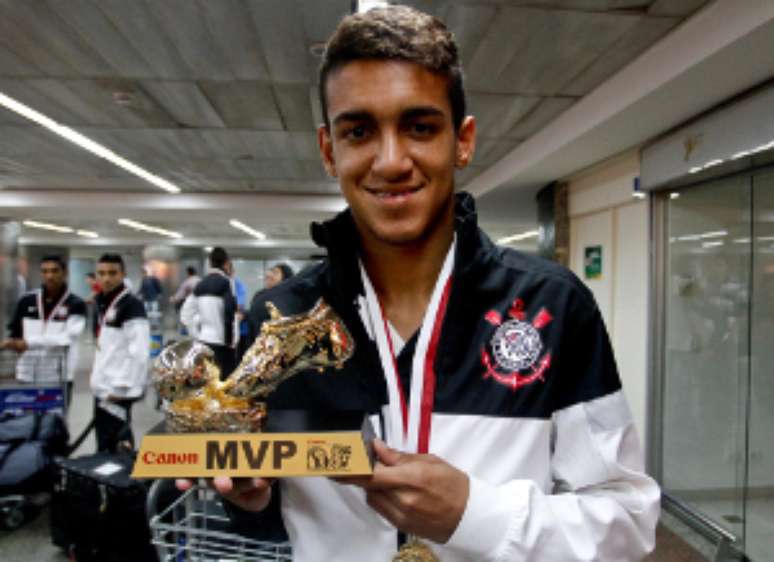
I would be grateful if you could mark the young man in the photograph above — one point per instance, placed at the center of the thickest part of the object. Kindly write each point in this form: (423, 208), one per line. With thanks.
(210, 312)
(489, 373)
(46, 327)
(120, 369)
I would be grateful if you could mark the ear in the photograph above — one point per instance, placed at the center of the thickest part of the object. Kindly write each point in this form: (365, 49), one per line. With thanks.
(326, 149)
(466, 142)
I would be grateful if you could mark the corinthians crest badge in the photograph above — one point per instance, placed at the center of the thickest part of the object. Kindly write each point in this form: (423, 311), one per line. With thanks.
(516, 347)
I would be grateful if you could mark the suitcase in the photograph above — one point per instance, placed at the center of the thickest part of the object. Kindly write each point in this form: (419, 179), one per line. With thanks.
(98, 511)
(27, 444)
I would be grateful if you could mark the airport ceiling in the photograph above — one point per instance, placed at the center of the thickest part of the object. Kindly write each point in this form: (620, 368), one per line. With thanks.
(219, 97)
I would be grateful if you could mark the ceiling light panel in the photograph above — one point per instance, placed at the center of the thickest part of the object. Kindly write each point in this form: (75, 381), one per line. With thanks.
(519, 237)
(249, 230)
(85, 143)
(48, 226)
(149, 228)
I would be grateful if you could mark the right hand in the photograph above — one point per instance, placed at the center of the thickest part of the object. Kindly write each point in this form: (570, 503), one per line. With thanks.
(250, 494)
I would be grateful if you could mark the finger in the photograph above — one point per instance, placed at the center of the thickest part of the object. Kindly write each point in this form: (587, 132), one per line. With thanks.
(183, 484)
(360, 481)
(387, 455)
(407, 474)
(222, 484)
(384, 504)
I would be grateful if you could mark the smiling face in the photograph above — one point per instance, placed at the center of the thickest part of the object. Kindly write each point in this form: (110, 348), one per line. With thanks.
(393, 146)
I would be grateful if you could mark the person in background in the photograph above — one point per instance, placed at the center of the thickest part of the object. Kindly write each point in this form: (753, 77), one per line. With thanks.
(120, 370)
(185, 288)
(210, 312)
(276, 275)
(504, 432)
(273, 276)
(46, 327)
(150, 289)
(94, 287)
(240, 292)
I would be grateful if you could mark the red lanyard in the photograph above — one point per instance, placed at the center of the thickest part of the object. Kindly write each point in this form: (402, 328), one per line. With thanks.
(41, 311)
(110, 310)
(409, 425)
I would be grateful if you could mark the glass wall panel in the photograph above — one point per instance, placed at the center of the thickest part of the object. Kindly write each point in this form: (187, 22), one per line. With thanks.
(760, 495)
(706, 348)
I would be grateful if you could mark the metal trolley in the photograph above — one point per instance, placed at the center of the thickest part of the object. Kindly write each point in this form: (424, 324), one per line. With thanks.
(195, 528)
(48, 389)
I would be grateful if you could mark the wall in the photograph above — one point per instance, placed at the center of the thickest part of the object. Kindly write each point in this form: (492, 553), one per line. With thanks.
(604, 213)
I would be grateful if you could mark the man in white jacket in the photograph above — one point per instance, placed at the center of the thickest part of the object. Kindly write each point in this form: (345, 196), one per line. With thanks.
(120, 369)
(46, 327)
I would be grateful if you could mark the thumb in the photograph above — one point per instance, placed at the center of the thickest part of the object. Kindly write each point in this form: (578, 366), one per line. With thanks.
(387, 455)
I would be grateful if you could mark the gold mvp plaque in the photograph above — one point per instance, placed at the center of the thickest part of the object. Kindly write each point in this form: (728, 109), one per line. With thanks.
(337, 452)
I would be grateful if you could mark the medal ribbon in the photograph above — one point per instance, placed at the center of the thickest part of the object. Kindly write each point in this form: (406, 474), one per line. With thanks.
(410, 425)
(111, 306)
(41, 312)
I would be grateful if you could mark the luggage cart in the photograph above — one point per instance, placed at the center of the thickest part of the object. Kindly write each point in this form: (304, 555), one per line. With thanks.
(195, 528)
(47, 392)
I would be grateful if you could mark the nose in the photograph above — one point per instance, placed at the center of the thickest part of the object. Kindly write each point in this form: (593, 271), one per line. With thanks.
(392, 161)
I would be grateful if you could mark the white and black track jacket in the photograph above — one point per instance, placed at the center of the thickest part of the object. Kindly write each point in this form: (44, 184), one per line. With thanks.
(209, 312)
(543, 431)
(49, 326)
(123, 346)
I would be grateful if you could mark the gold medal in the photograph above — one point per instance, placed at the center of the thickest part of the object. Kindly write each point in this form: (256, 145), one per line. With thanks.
(415, 551)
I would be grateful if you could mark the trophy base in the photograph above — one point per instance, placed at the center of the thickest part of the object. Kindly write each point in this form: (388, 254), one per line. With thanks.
(292, 443)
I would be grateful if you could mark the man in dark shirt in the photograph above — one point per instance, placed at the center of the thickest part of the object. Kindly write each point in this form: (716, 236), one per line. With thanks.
(46, 327)
(210, 312)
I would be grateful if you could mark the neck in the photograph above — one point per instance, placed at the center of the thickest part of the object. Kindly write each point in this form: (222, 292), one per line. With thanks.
(53, 293)
(109, 295)
(404, 277)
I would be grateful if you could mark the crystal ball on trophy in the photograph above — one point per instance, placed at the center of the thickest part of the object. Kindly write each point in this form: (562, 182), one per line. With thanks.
(189, 382)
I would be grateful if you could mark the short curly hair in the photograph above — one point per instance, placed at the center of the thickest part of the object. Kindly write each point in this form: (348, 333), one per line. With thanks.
(396, 33)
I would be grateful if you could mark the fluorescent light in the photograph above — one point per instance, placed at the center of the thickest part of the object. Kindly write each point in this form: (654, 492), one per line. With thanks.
(47, 226)
(365, 5)
(765, 238)
(208, 249)
(148, 228)
(741, 240)
(638, 195)
(518, 237)
(712, 163)
(244, 228)
(739, 155)
(674, 195)
(711, 244)
(689, 237)
(762, 148)
(695, 170)
(714, 234)
(85, 143)
(87, 233)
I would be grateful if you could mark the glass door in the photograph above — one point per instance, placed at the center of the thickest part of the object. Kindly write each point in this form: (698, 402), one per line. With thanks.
(759, 507)
(706, 347)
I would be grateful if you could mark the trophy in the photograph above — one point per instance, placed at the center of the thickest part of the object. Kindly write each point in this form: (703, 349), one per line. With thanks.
(187, 378)
(222, 427)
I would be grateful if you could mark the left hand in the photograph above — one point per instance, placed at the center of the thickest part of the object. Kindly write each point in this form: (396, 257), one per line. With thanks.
(17, 344)
(420, 494)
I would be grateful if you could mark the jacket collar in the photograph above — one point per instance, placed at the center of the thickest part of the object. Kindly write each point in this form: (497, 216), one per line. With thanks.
(341, 239)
